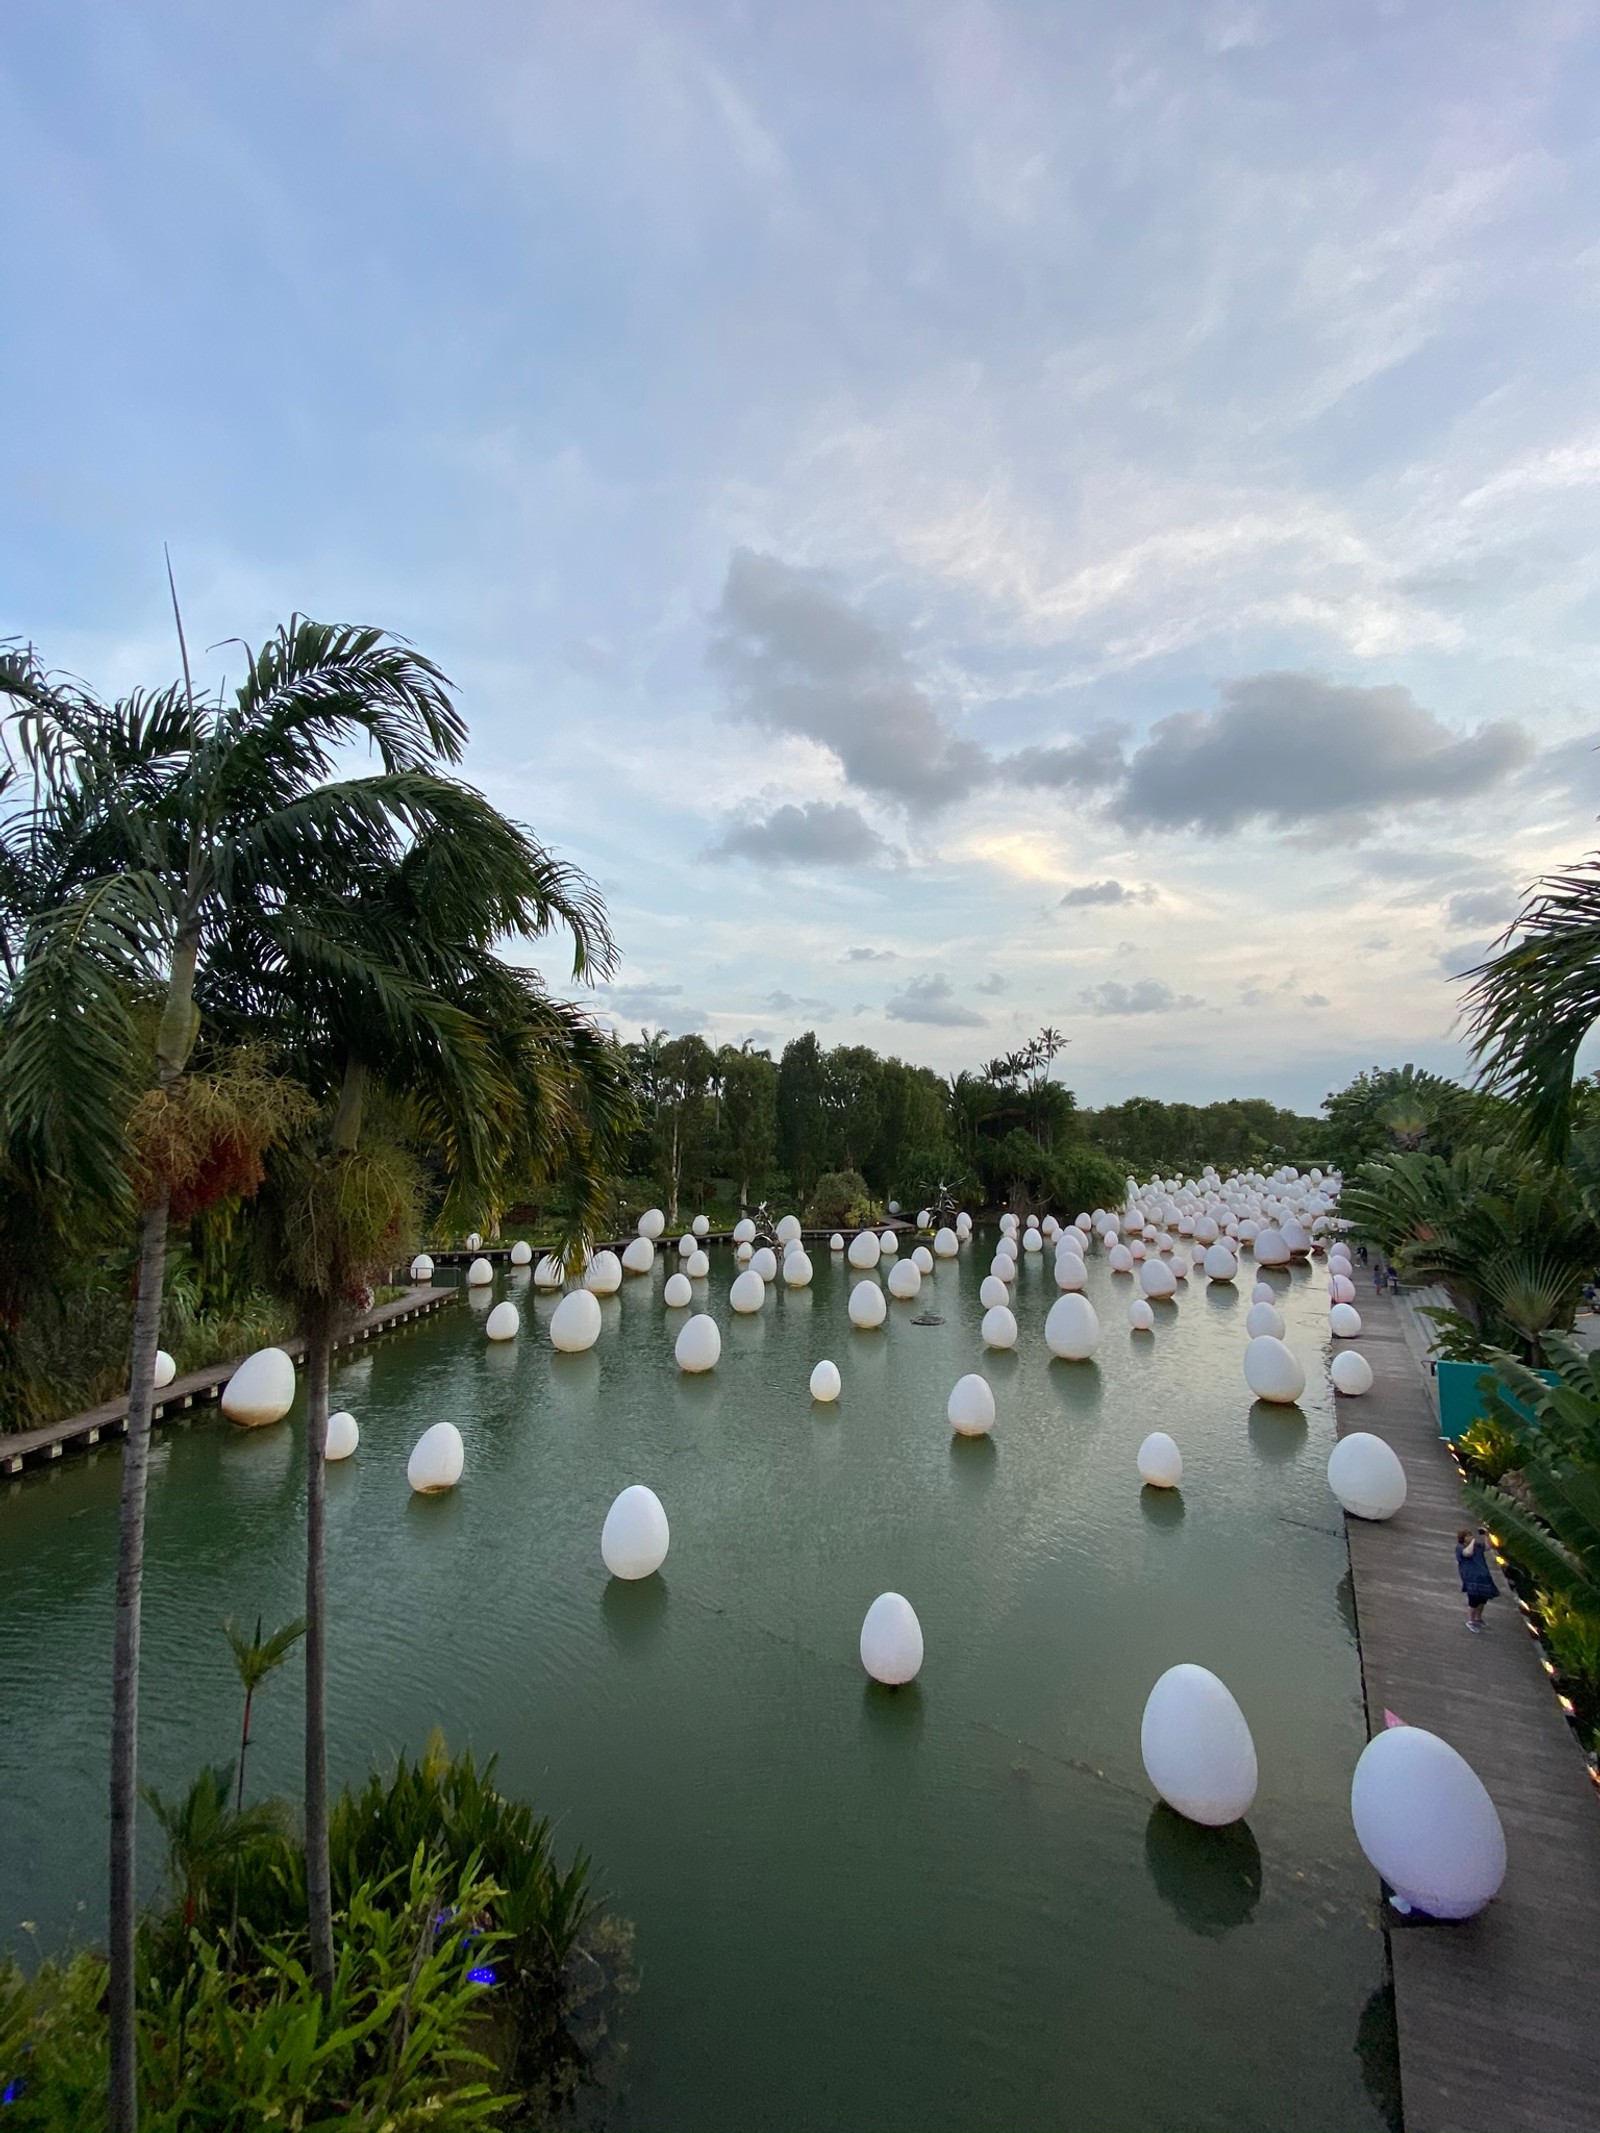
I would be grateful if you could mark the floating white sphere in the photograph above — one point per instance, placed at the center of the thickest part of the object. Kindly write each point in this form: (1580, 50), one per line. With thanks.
(744, 1231)
(1157, 1279)
(1264, 1318)
(788, 1230)
(1344, 1322)
(999, 1327)
(547, 1274)
(905, 1279)
(1351, 1373)
(521, 1252)
(1160, 1462)
(603, 1274)
(343, 1435)
(1141, 1315)
(891, 1640)
(865, 1250)
(166, 1369)
(1263, 1293)
(1272, 1249)
(888, 1243)
(826, 1383)
(743, 1254)
(687, 1247)
(479, 1274)
(677, 1292)
(635, 1536)
(261, 1390)
(946, 1244)
(1032, 1241)
(1120, 1259)
(1197, 1749)
(651, 1223)
(1272, 1371)
(436, 1459)
(922, 1259)
(1219, 1263)
(797, 1269)
(504, 1322)
(701, 1225)
(699, 1344)
(1008, 1225)
(993, 1291)
(638, 1256)
(963, 1226)
(1072, 1330)
(867, 1307)
(970, 1407)
(1365, 1475)
(422, 1268)
(1002, 1267)
(765, 1263)
(1426, 1823)
(836, 1242)
(749, 1292)
(925, 1218)
(698, 1266)
(575, 1322)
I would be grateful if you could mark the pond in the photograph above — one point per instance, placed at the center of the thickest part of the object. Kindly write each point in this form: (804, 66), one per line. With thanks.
(952, 1905)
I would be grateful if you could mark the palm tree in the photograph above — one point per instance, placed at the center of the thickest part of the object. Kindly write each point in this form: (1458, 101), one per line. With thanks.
(253, 1660)
(154, 822)
(1531, 1005)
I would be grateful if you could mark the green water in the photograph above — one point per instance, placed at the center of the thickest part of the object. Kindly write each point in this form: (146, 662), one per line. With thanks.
(946, 1906)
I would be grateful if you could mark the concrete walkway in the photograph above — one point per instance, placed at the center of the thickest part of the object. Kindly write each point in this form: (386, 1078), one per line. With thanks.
(1499, 2016)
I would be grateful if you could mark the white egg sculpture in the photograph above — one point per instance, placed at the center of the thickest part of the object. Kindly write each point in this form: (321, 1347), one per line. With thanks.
(970, 1407)
(1071, 1273)
(1072, 1330)
(788, 1230)
(698, 1345)
(701, 1225)
(1120, 1259)
(422, 1268)
(1141, 1315)
(744, 1231)
(261, 1390)
(922, 1259)
(1032, 1241)
(888, 1243)
(963, 1226)
(891, 1640)
(743, 1254)
(1272, 1249)
(1351, 1373)
(575, 1322)
(651, 1223)
(1263, 1293)
(1273, 1371)
(993, 1291)
(946, 1244)
(504, 1323)
(635, 1536)
(836, 1242)
(522, 1253)
(603, 1274)
(1365, 1475)
(749, 1292)
(1008, 1225)
(1157, 1279)
(1297, 1238)
(548, 1274)
(479, 1274)
(343, 1436)
(474, 1241)
(1426, 1823)
(436, 1460)
(1004, 1266)
(688, 1245)
(1197, 1748)
(1341, 1290)
(865, 1251)
(826, 1383)
(797, 1269)
(698, 1266)
(1264, 1318)
(678, 1291)
(638, 1256)
(1219, 1263)
(166, 1369)
(999, 1329)
(925, 1218)
(765, 1263)
(905, 1279)
(1344, 1322)
(1160, 1462)
(867, 1306)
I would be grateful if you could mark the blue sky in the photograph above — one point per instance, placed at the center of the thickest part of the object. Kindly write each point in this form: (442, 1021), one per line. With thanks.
(957, 516)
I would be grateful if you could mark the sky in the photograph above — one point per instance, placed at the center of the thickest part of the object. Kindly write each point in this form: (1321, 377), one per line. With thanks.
(957, 516)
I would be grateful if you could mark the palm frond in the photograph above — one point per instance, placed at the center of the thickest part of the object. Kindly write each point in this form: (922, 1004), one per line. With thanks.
(1530, 1006)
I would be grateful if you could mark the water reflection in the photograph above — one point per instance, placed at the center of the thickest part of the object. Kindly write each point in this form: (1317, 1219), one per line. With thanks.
(256, 1462)
(891, 1721)
(1210, 1879)
(1277, 1432)
(574, 1381)
(1222, 1296)
(634, 1611)
(973, 1463)
(1078, 1386)
(1161, 1507)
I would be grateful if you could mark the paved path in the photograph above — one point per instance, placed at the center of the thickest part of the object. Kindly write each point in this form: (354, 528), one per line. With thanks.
(1499, 2017)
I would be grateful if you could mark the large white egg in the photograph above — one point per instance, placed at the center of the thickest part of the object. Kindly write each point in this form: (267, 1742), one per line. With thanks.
(905, 1279)
(946, 1243)
(1008, 1225)
(603, 1274)
(261, 1390)
(521, 1252)
(474, 1241)
(699, 1344)
(765, 1263)
(963, 1225)
(422, 1268)
(1157, 1279)
(749, 1292)
(479, 1274)
(1072, 1330)
(677, 1292)
(1426, 1823)
(687, 1245)
(504, 1322)
(343, 1436)
(826, 1383)
(548, 1273)
(1341, 1289)
(797, 1269)
(698, 1266)
(1273, 1371)
(1032, 1241)
(743, 1254)
(1271, 1248)
(1263, 1293)
(788, 1230)
(744, 1231)
(867, 1307)
(651, 1223)
(865, 1250)
(1344, 1322)
(925, 1218)
(638, 1255)
(836, 1242)
(993, 1291)
(999, 1329)
(1365, 1475)
(1197, 1749)
(1160, 1461)
(1071, 1273)
(1297, 1238)
(1219, 1263)
(970, 1407)
(891, 1640)
(1120, 1259)
(635, 1536)
(701, 1225)
(888, 1243)
(436, 1460)
(1141, 1315)
(575, 1322)
(1003, 1267)
(1264, 1318)
(166, 1369)
(1351, 1373)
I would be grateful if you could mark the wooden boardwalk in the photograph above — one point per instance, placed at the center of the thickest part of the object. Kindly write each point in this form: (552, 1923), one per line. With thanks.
(1499, 2016)
(36, 1446)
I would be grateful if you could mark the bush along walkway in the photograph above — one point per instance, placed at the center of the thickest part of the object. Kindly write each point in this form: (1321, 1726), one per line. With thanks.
(1496, 2014)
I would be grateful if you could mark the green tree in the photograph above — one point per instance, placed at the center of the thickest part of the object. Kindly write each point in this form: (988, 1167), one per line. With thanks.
(802, 1118)
(747, 1083)
(1530, 1006)
(852, 1077)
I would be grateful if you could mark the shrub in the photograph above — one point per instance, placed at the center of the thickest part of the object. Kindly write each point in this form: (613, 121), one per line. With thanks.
(842, 1200)
(1490, 1449)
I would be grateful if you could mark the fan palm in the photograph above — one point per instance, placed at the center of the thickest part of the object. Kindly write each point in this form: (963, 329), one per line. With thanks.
(1531, 1005)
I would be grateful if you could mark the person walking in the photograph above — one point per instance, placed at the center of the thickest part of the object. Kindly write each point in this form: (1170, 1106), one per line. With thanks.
(1477, 1579)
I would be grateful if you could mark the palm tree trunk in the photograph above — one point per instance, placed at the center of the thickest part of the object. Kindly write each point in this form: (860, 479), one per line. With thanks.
(319, 1875)
(123, 1903)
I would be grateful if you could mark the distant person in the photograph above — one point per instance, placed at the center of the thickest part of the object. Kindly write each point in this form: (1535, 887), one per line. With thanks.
(1477, 1579)
(1361, 1254)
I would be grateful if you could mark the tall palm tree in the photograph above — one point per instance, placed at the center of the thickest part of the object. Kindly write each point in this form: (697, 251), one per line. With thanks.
(152, 823)
(1531, 1005)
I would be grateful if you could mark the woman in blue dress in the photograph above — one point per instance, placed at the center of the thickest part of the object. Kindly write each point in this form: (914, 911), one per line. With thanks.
(1477, 1579)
